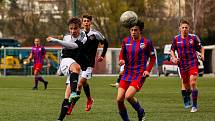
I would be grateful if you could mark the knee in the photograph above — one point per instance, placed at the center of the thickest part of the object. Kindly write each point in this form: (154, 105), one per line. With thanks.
(75, 68)
(193, 83)
(128, 98)
(119, 100)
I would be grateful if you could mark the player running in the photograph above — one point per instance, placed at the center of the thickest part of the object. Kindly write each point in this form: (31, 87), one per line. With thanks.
(186, 45)
(38, 53)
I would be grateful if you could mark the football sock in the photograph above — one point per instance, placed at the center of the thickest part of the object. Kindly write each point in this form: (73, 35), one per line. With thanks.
(136, 106)
(64, 108)
(118, 80)
(41, 79)
(188, 94)
(124, 115)
(36, 79)
(87, 90)
(122, 111)
(73, 81)
(184, 95)
(194, 97)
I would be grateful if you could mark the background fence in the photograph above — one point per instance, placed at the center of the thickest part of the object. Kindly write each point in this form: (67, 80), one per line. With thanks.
(11, 61)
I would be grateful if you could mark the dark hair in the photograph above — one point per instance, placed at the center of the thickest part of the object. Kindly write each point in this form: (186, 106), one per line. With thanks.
(88, 17)
(182, 21)
(74, 20)
(140, 24)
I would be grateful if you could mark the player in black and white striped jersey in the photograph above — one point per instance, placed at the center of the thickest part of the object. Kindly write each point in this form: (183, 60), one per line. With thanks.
(90, 48)
(70, 63)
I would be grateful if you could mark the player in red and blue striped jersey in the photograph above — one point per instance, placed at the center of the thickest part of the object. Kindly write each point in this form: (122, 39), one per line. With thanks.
(38, 53)
(186, 45)
(135, 52)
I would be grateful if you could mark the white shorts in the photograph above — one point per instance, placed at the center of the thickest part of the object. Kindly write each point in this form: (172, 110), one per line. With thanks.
(88, 73)
(84, 74)
(65, 65)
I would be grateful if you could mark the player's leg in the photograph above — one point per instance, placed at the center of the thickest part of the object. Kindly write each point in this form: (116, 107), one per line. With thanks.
(193, 83)
(65, 104)
(74, 75)
(72, 104)
(120, 100)
(185, 89)
(129, 95)
(36, 80)
(83, 83)
(38, 69)
(69, 67)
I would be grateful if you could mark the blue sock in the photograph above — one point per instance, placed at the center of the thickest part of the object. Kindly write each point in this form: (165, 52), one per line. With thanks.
(194, 97)
(36, 79)
(136, 106)
(124, 115)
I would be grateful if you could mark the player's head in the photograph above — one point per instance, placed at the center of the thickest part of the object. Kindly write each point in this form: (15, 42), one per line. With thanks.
(87, 21)
(184, 27)
(135, 31)
(74, 25)
(37, 41)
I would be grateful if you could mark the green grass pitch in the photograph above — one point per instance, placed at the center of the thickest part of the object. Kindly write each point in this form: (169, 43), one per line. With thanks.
(161, 98)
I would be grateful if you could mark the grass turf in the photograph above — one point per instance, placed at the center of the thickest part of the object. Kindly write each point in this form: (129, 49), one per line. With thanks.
(161, 98)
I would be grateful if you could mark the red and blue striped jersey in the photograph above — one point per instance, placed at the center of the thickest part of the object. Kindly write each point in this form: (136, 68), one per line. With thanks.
(136, 55)
(186, 49)
(38, 53)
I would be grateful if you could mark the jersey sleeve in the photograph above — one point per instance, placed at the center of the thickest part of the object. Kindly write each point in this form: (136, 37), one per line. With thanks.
(151, 56)
(122, 52)
(173, 46)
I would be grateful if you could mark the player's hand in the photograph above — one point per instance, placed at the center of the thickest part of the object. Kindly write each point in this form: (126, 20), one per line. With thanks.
(48, 39)
(121, 62)
(99, 59)
(145, 74)
(175, 60)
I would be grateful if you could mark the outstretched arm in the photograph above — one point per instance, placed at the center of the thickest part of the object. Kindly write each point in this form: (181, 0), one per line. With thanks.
(66, 44)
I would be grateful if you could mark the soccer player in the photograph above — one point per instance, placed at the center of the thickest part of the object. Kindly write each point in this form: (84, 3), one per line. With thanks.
(186, 45)
(69, 64)
(38, 53)
(135, 52)
(90, 49)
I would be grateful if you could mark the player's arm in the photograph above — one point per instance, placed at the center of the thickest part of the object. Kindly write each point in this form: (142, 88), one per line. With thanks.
(151, 62)
(47, 61)
(172, 52)
(200, 48)
(202, 53)
(121, 55)
(105, 47)
(30, 56)
(66, 44)
(103, 41)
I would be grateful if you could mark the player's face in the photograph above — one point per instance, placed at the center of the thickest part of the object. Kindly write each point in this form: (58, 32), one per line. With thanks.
(36, 42)
(135, 32)
(86, 23)
(184, 29)
(74, 30)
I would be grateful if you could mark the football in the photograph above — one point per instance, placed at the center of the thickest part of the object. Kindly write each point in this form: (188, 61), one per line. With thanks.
(128, 19)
